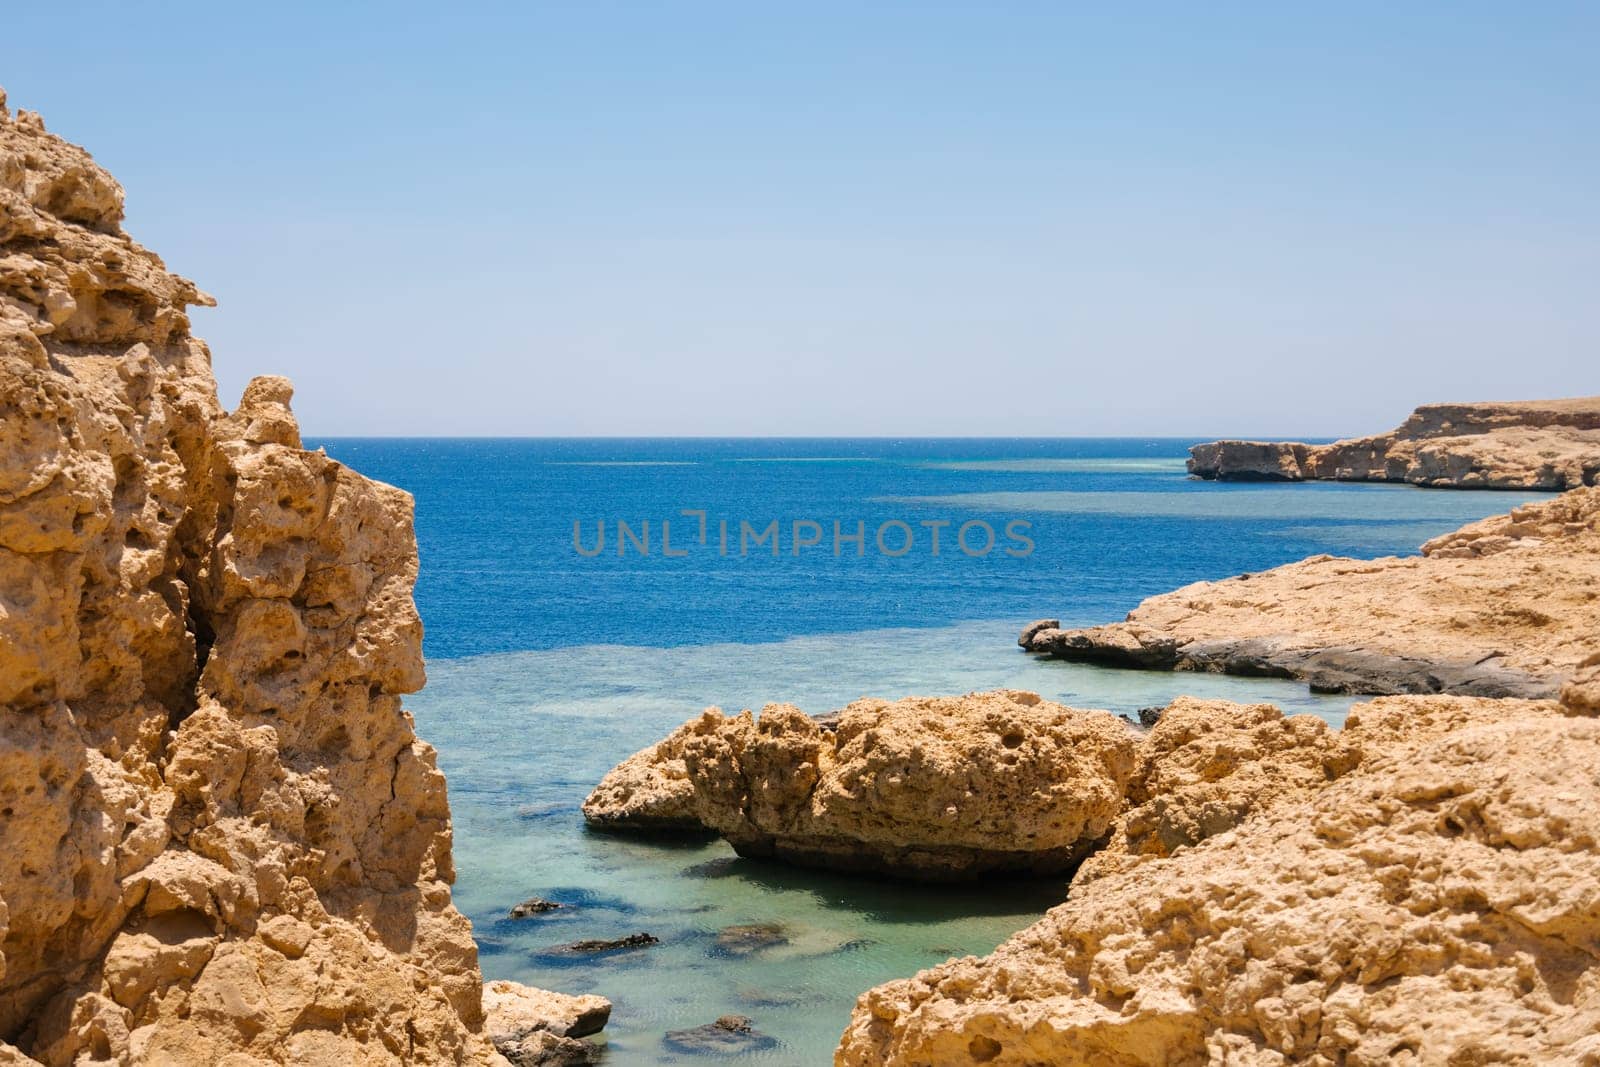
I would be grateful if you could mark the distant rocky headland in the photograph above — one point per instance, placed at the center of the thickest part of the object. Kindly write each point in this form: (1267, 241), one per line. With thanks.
(221, 841)
(1527, 444)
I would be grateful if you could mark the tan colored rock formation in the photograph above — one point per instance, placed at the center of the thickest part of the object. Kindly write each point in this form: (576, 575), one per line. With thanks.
(1206, 766)
(1422, 890)
(222, 841)
(650, 790)
(533, 1027)
(1529, 444)
(929, 788)
(1504, 607)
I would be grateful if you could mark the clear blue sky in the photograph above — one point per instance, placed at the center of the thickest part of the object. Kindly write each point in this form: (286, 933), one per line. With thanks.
(819, 218)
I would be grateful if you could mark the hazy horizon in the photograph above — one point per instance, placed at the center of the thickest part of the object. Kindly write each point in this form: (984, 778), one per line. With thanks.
(899, 221)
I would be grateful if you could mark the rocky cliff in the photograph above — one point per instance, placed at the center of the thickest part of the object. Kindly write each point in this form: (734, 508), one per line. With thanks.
(220, 838)
(1504, 607)
(1532, 444)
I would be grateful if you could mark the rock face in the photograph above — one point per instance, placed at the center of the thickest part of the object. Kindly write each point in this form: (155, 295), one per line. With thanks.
(927, 788)
(222, 841)
(1531, 444)
(650, 790)
(1419, 889)
(1504, 607)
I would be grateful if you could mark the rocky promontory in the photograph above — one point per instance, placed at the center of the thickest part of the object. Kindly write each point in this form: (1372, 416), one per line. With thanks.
(1419, 888)
(1527, 444)
(925, 788)
(1504, 607)
(222, 841)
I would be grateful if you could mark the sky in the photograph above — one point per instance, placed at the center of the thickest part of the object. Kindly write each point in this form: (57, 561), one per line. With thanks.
(930, 219)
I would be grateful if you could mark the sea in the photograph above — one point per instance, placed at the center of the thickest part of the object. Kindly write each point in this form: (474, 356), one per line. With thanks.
(581, 598)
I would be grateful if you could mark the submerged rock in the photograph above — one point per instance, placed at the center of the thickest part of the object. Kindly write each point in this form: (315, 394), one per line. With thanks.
(533, 906)
(595, 947)
(1532, 444)
(1500, 608)
(729, 1035)
(750, 939)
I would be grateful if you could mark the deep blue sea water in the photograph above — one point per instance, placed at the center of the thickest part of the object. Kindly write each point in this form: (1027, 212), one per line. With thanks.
(546, 667)
(1112, 521)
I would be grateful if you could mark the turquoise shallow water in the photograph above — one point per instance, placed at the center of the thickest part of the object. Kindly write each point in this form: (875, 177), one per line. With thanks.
(546, 668)
(524, 736)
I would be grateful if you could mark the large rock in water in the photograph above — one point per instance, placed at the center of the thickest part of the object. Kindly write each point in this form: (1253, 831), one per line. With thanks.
(926, 788)
(222, 841)
(1526, 444)
(1504, 607)
(650, 791)
(1421, 890)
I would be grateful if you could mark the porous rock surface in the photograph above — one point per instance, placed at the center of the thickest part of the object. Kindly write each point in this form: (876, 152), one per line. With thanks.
(1419, 889)
(650, 790)
(1207, 765)
(537, 1028)
(927, 788)
(220, 838)
(1504, 607)
(1528, 444)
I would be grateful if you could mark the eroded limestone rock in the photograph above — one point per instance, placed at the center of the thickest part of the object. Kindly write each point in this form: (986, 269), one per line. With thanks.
(650, 790)
(221, 839)
(926, 788)
(1434, 898)
(1505, 607)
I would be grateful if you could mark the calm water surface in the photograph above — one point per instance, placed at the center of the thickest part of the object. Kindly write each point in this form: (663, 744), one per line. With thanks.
(547, 667)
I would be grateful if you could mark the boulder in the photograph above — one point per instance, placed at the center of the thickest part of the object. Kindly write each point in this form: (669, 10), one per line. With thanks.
(922, 788)
(650, 790)
(730, 1035)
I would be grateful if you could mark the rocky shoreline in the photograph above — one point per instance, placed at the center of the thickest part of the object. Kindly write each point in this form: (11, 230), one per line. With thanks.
(1419, 887)
(224, 842)
(1531, 444)
(1506, 607)
(1245, 886)
(1265, 888)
